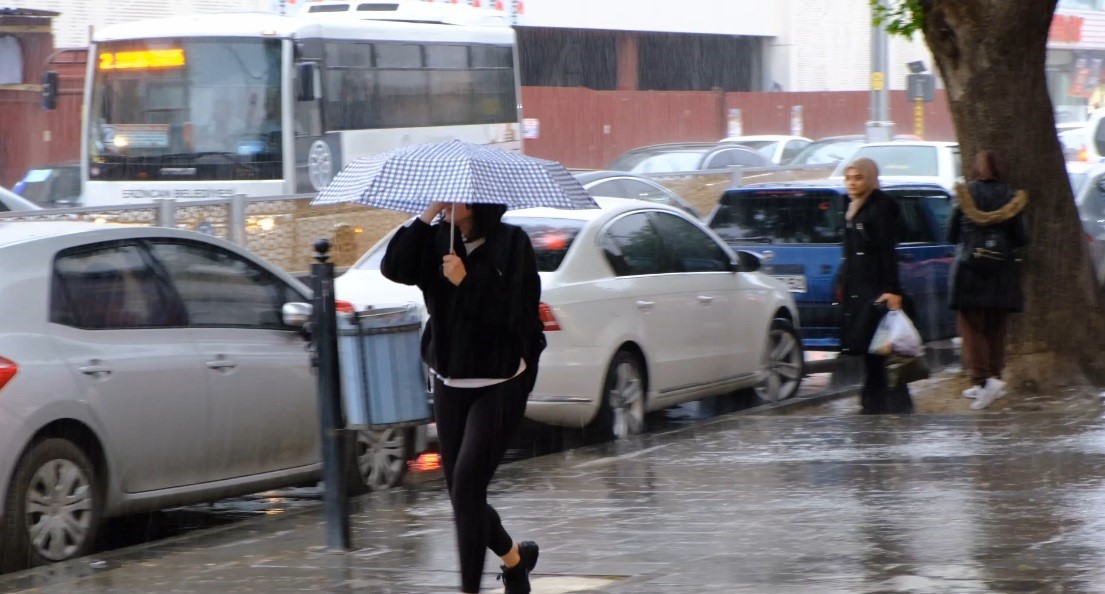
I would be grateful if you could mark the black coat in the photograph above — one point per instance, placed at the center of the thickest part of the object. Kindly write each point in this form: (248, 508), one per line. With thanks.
(870, 269)
(483, 327)
(999, 288)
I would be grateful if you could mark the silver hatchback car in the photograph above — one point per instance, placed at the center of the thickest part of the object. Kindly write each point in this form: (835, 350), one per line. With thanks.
(143, 368)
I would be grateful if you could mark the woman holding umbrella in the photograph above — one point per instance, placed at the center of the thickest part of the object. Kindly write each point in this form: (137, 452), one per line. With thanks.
(482, 343)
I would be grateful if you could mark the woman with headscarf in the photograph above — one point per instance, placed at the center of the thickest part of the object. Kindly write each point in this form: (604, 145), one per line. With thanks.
(987, 227)
(869, 282)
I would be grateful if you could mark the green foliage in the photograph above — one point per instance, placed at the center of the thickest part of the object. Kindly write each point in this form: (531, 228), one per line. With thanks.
(900, 17)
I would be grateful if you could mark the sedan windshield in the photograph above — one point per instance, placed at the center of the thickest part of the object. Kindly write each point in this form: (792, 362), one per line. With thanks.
(659, 162)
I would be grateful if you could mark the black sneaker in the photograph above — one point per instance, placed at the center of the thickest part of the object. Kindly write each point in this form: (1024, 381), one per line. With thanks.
(516, 579)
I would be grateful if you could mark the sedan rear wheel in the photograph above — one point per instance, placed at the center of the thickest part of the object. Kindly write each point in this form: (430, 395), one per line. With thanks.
(53, 506)
(783, 363)
(623, 407)
(378, 459)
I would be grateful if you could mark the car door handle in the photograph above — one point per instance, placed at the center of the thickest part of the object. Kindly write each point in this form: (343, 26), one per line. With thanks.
(705, 299)
(221, 362)
(95, 368)
(905, 257)
(645, 304)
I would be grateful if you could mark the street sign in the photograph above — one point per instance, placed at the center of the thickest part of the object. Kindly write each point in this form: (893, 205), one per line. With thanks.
(921, 87)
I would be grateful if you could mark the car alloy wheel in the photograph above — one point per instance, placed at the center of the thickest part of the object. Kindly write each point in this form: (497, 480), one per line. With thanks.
(381, 457)
(783, 363)
(625, 396)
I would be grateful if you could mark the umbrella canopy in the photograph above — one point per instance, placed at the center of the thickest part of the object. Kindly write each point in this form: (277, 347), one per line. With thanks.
(408, 179)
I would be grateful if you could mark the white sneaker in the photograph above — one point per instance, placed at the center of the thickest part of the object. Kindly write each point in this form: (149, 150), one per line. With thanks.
(972, 392)
(990, 392)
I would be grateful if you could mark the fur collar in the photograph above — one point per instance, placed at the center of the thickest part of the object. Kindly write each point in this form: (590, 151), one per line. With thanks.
(1006, 212)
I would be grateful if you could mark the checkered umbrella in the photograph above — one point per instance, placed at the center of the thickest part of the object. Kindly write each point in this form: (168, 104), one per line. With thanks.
(408, 179)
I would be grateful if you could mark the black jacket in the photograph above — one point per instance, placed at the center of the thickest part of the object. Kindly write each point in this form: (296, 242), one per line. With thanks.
(870, 269)
(483, 327)
(999, 288)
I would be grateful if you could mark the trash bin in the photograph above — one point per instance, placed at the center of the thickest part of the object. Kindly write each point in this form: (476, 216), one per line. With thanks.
(382, 379)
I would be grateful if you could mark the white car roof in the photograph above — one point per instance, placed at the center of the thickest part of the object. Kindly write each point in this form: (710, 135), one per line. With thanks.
(763, 137)
(13, 232)
(587, 214)
(901, 143)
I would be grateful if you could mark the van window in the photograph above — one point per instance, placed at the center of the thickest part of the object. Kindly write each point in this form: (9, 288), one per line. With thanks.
(779, 216)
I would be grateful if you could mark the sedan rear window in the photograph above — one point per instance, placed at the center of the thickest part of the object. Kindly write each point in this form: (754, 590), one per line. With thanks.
(551, 238)
(779, 216)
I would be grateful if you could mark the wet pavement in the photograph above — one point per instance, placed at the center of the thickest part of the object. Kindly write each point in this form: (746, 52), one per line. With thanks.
(742, 503)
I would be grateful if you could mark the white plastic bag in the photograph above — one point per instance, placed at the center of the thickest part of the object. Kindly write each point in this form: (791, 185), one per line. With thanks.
(896, 335)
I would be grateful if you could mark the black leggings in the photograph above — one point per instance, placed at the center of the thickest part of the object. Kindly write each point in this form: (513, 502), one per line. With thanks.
(474, 427)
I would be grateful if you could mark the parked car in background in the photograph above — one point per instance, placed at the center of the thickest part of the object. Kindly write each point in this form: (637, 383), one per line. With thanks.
(147, 368)
(1075, 144)
(688, 156)
(53, 186)
(834, 149)
(619, 184)
(779, 148)
(12, 202)
(1087, 182)
(828, 150)
(910, 161)
(644, 308)
(796, 228)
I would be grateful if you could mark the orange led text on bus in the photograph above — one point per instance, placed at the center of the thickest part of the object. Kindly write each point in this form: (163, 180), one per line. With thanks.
(161, 58)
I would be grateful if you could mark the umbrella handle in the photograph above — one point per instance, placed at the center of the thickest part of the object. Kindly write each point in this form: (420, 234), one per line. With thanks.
(452, 228)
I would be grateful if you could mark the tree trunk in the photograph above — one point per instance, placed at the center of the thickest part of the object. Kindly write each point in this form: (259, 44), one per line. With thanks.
(990, 54)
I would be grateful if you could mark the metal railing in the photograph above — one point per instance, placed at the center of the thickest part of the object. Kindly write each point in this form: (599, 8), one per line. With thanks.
(281, 229)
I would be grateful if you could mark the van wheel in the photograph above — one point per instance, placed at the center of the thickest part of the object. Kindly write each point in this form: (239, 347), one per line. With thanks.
(623, 407)
(53, 506)
(783, 363)
(378, 458)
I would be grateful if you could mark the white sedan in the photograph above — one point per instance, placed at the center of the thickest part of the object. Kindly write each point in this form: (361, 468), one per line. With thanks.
(644, 308)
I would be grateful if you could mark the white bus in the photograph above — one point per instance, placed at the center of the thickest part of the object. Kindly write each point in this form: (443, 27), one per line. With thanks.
(263, 105)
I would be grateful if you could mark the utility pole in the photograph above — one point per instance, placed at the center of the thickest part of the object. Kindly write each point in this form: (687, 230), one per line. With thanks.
(879, 128)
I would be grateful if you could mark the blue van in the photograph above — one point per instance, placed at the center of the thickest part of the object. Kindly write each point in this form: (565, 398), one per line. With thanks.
(796, 228)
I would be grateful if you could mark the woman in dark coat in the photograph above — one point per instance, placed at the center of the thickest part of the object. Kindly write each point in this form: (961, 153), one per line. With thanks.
(482, 343)
(986, 286)
(870, 282)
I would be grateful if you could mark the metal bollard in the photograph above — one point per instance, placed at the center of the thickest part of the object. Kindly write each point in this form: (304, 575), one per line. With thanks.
(237, 219)
(736, 176)
(331, 423)
(166, 212)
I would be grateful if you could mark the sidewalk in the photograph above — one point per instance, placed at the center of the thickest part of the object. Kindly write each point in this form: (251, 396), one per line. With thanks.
(739, 504)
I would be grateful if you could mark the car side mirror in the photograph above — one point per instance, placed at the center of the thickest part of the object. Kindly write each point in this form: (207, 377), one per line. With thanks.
(749, 261)
(297, 315)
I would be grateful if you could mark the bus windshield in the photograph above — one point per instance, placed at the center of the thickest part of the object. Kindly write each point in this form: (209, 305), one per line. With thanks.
(186, 109)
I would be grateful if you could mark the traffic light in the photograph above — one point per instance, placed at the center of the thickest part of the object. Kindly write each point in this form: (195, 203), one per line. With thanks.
(50, 90)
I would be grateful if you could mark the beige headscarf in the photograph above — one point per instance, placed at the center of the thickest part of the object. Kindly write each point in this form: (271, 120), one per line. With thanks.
(870, 172)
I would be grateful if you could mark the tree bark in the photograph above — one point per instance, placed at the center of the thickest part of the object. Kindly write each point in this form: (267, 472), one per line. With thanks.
(990, 54)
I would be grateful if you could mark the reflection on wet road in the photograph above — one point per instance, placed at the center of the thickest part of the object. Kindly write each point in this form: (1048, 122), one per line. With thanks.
(535, 440)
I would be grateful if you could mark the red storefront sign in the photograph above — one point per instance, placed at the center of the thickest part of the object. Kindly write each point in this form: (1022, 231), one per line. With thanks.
(1066, 28)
